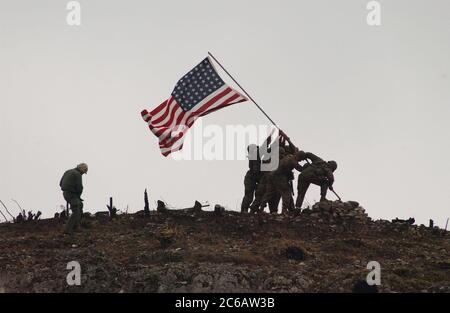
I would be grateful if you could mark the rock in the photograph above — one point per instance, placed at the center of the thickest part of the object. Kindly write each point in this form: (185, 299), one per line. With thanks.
(295, 253)
(161, 207)
(353, 204)
(218, 209)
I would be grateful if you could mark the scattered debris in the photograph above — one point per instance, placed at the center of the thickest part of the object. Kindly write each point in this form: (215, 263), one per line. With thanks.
(161, 207)
(322, 249)
(409, 221)
(218, 209)
(111, 208)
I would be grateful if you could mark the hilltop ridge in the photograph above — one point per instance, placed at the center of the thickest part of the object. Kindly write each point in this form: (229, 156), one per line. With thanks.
(322, 249)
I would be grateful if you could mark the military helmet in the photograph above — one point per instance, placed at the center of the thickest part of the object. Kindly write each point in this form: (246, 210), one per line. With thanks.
(300, 154)
(332, 165)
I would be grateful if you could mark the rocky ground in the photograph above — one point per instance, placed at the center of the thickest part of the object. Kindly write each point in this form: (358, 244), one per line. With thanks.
(325, 249)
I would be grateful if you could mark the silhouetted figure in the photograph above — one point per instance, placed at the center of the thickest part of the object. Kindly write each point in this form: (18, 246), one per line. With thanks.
(253, 175)
(38, 215)
(72, 186)
(319, 173)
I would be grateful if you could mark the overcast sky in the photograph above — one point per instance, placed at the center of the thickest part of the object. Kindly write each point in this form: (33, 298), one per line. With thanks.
(374, 98)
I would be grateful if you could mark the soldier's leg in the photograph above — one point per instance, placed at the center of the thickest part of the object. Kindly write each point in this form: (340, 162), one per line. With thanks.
(302, 188)
(80, 216)
(323, 191)
(259, 193)
(274, 202)
(284, 189)
(287, 201)
(269, 194)
(250, 186)
(74, 220)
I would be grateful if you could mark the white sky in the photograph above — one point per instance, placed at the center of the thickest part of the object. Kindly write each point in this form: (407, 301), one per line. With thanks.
(376, 99)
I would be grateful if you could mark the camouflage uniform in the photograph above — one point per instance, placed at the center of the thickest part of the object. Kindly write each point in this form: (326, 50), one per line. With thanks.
(278, 185)
(72, 187)
(319, 173)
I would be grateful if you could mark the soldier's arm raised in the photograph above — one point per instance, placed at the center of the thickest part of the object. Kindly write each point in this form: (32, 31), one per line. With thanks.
(286, 137)
(312, 157)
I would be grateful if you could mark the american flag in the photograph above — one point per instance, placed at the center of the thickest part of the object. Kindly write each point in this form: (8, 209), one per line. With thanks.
(198, 93)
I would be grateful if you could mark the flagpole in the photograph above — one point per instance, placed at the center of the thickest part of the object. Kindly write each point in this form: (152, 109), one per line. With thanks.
(250, 97)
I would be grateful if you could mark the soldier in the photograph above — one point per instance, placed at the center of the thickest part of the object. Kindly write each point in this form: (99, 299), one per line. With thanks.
(278, 181)
(265, 184)
(72, 186)
(319, 173)
(253, 175)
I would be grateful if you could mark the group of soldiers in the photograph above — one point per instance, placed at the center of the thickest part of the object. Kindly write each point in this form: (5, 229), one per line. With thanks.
(264, 188)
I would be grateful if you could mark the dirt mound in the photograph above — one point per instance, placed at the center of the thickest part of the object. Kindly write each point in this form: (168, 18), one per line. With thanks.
(322, 249)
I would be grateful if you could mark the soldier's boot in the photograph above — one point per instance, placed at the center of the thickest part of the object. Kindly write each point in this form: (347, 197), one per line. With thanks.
(255, 207)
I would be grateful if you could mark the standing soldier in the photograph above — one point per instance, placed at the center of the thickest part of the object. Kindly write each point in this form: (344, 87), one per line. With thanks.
(264, 180)
(72, 186)
(253, 175)
(319, 173)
